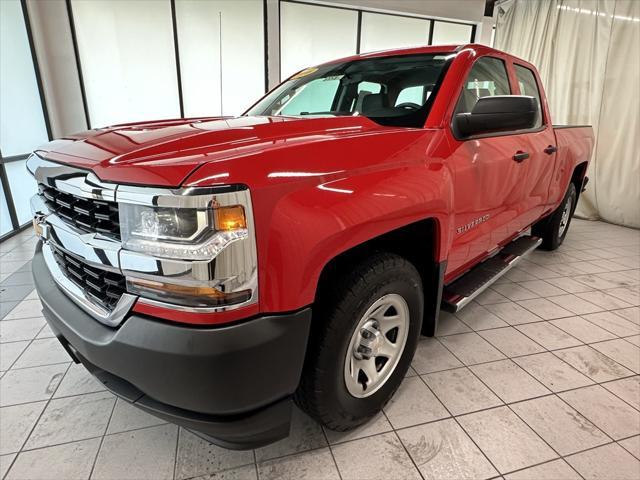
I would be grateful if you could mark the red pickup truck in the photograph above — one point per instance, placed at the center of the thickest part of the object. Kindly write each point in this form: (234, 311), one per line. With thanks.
(212, 271)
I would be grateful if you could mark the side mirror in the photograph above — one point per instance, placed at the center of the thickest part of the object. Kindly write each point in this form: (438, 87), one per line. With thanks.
(498, 113)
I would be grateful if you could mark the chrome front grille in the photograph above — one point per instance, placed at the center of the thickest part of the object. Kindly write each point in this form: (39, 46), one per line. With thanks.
(89, 215)
(102, 286)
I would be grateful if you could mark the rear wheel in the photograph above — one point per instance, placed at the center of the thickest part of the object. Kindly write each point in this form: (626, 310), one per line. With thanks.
(365, 332)
(554, 228)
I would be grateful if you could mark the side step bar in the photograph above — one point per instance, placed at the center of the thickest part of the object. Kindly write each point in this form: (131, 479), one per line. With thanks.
(461, 292)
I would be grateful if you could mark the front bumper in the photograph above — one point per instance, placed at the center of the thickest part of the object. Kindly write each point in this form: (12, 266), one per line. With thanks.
(233, 384)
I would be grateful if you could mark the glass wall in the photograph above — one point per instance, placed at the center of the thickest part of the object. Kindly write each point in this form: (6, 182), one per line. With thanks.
(126, 50)
(221, 45)
(304, 41)
(445, 33)
(381, 31)
(22, 119)
(305, 38)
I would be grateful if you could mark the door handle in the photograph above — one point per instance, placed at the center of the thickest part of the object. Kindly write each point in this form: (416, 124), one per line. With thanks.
(520, 156)
(550, 149)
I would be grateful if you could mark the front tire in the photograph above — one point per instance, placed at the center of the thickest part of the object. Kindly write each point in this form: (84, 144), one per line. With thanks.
(365, 332)
(554, 228)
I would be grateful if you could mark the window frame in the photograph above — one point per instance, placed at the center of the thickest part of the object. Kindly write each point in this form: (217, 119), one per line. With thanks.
(514, 89)
(543, 106)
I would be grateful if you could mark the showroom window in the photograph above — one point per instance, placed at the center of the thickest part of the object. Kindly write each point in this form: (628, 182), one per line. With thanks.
(304, 42)
(23, 118)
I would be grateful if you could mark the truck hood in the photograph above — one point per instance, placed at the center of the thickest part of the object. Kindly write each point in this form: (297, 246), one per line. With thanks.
(165, 153)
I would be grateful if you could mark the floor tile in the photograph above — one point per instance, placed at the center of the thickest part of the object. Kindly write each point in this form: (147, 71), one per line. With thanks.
(20, 330)
(248, 472)
(378, 424)
(505, 439)
(448, 324)
(582, 329)
(137, 455)
(511, 342)
(69, 462)
(512, 313)
(471, 348)
(461, 391)
(514, 291)
(25, 309)
(609, 462)
(199, 457)
(432, 356)
(30, 384)
(632, 314)
(510, 382)
(17, 422)
(564, 429)
(413, 404)
(477, 317)
(542, 288)
(622, 352)
(45, 351)
(14, 293)
(5, 463)
(442, 450)
(613, 323)
(305, 434)
(554, 373)
(628, 389)
(72, 418)
(490, 296)
(548, 335)
(604, 300)
(313, 465)
(569, 285)
(385, 458)
(631, 445)
(593, 364)
(545, 309)
(127, 417)
(610, 414)
(554, 470)
(628, 295)
(78, 381)
(9, 353)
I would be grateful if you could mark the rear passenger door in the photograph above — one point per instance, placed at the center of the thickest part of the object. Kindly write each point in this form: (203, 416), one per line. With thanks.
(539, 143)
(488, 195)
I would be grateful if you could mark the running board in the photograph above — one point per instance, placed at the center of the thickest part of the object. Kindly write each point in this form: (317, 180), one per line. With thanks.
(458, 294)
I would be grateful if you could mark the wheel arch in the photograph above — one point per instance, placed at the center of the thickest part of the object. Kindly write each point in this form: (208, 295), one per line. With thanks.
(418, 242)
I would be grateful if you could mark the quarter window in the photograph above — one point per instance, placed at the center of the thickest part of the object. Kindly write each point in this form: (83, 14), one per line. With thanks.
(529, 86)
(488, 77)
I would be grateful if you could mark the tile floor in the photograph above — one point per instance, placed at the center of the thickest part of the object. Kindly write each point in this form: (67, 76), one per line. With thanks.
(538, 379)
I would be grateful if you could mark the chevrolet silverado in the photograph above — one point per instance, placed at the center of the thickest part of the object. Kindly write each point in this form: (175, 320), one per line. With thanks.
(213, 271)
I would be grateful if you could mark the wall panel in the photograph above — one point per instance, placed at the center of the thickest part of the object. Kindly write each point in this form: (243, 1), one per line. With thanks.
(127, 58)
(382, 32)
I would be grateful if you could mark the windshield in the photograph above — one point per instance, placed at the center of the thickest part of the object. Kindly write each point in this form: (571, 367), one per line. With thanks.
(388, 90)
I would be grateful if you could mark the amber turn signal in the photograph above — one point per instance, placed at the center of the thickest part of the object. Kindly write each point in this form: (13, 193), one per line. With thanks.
(230, 218)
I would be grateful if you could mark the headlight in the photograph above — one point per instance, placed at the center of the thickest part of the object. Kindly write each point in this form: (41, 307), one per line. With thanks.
(181, 233)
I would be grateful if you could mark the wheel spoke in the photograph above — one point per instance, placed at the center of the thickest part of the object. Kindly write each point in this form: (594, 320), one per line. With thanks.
(369, 368)
(388, 349)
(389, 323)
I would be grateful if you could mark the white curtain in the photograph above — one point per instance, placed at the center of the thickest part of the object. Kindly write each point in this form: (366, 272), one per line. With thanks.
(588, 55)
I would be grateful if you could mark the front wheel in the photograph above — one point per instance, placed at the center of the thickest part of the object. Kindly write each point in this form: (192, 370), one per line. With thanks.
(554, 228)
(366, 328)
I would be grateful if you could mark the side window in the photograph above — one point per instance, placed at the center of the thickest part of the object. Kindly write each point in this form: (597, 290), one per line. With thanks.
(528, 86)
(488, 77)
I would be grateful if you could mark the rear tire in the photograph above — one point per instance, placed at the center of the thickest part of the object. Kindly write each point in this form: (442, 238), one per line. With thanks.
(553, 229)
(369, 319)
